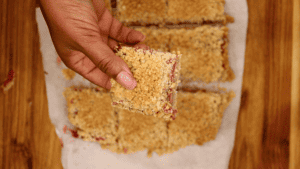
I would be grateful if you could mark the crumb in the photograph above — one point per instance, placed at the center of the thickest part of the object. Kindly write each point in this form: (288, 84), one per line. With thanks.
(9, 82)
(229, 19)
(68, 74)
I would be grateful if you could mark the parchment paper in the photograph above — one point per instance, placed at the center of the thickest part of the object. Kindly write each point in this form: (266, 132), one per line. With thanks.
(78, 154)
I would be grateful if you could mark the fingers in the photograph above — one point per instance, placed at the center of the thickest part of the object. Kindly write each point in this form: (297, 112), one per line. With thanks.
(104, 59)
(124, 34)
(117, 30)
(113, 44)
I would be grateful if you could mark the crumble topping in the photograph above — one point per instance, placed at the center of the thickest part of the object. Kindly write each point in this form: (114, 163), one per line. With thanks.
(141, 11)
(153, 72)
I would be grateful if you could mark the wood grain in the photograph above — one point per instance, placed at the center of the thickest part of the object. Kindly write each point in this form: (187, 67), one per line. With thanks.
(295, 99)
(269, 121)
(262, 133)
(27, 138)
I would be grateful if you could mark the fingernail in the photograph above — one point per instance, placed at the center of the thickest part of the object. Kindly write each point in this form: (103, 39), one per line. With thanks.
(126, 80)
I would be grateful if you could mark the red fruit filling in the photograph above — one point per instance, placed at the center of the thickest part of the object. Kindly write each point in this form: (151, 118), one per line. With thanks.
(74, 133)
(65, 128)
(10, 78)
(114, 103)
(99, 138)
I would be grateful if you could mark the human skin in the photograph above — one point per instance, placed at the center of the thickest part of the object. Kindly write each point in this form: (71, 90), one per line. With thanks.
(84, 34)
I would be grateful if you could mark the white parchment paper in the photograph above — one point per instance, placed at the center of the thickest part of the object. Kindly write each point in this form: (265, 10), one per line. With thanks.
(78, 154)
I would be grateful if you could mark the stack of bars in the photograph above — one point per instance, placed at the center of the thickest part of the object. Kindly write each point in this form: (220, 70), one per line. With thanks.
(195, 29)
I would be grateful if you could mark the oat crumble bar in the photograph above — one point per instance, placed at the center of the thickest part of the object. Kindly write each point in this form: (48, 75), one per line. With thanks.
(157, 39)
(137, 132)
(199, 120)
(195, 11)
(204, 53)
(90, 111)
(141, 11)
(157, 76)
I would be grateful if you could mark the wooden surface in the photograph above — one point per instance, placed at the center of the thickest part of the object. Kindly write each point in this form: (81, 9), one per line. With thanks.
(295, 99)
(268, 129)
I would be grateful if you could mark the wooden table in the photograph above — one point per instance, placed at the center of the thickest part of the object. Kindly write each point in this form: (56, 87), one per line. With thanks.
(268, 129)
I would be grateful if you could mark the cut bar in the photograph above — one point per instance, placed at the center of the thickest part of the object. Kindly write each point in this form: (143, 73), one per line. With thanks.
(204, 53)
(90, 112)
(157, 39)
(195, 11)
(157, 75)
(200, 117)
(138, 132)
(141, 11)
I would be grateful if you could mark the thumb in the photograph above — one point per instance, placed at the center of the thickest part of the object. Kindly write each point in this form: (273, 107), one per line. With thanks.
(105, 59)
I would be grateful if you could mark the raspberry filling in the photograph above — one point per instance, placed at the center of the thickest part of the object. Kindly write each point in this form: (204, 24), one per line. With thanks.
(11, 75)
(125, 150)
(172, 74)
(98, 138)
(115, 103)
(74, 133)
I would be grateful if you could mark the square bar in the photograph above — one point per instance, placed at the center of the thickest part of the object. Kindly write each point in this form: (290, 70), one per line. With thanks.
(91, 112)
(200, 117)
(141, 11)
(204, 53)
(157, 76)
(182, 11)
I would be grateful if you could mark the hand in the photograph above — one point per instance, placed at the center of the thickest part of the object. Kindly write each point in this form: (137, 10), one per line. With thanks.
(84, 34)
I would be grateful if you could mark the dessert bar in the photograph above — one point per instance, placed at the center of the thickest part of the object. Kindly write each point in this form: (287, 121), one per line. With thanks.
(141, 11)
(204, 53)
(157, 75)
(90, 111)
(137, 132)
(183, 11)
(157, 39)
(200, 117)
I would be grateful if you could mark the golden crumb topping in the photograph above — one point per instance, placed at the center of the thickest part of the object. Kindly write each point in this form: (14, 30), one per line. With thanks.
(153, 73)
(200, 117)
(204, 54)
(157, 39)
(140, 10)
(91, 111)
(138, 132)
(195, 10)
